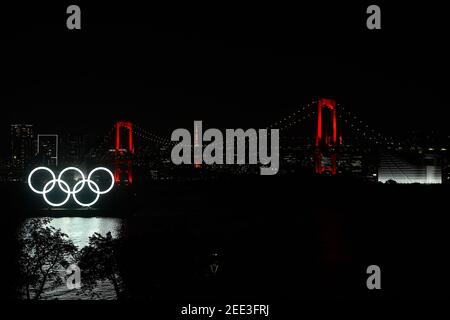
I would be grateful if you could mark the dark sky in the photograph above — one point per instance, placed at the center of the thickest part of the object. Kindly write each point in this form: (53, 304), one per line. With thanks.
(164, 68)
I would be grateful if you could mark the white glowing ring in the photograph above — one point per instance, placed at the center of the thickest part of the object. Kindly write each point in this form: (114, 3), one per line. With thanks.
(74, 189)
(93, 186)
(97, 192)
(47, 191)
(37, 169)
(110, 174)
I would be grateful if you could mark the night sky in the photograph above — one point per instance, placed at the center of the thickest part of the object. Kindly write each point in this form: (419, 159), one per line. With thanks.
(230, 67)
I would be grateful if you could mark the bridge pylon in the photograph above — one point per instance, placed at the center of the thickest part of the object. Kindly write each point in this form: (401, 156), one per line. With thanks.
(326, 137)
(123, 153)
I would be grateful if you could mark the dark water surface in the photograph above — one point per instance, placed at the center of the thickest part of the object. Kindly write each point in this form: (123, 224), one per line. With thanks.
(272, 240)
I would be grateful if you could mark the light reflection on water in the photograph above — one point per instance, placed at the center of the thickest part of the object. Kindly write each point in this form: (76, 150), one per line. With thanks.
(79, 230)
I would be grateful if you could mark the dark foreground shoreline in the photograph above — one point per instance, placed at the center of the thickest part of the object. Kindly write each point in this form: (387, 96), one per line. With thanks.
(278, 238)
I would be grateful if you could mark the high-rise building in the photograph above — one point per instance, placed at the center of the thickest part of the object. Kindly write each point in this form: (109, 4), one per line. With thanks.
(74, 148)
(47, 149)
(22, 139)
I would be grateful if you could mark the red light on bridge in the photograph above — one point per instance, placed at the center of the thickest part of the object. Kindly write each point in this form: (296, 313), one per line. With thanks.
(330, 104)
(129, 126)
(122, 165)
(323, 139)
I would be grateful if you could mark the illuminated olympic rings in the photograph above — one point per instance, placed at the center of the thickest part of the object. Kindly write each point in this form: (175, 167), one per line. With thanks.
(65, 187)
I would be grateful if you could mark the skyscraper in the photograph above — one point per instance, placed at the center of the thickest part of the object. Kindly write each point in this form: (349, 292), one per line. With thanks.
(22, 136)
(74, 148)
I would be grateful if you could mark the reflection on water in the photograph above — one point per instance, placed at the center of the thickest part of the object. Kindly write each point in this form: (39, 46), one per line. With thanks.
(80, 229)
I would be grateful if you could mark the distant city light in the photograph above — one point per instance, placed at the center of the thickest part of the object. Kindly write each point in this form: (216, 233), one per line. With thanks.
(394, 168)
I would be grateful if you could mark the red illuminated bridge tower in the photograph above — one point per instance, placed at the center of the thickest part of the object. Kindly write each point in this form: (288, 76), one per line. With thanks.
(123, 153)
(326, 137)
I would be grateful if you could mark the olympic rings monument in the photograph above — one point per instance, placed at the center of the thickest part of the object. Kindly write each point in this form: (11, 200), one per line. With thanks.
(64, 186)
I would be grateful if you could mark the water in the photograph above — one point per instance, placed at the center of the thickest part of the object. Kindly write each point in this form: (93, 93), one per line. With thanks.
(79, 230)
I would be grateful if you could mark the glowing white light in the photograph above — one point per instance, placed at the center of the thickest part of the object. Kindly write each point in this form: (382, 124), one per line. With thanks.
(37, 169)
(74, 189)
(45, 191)
(66, 188)
(97, 192)
(401, 171)
(110, 174)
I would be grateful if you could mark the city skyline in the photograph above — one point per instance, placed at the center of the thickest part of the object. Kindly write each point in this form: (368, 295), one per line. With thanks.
(360, 150)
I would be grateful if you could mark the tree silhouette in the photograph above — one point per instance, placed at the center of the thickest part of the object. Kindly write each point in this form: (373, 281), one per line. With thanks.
(98, 262)
(44, 251)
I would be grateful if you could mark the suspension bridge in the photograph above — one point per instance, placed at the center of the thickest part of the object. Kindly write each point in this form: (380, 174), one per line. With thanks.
(327, 128)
